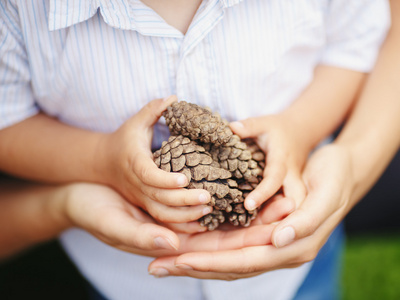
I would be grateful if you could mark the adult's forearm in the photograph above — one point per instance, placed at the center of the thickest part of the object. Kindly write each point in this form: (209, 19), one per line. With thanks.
(29, 214)
(324, 105)
(44, 149)
(372, 134)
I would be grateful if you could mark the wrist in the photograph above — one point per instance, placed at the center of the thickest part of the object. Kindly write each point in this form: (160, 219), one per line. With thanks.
(362, 169)
(101, 166)
(56, 207)
(299, 129)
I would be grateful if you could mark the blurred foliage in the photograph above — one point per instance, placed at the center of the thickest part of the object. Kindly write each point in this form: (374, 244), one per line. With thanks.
(372, 267)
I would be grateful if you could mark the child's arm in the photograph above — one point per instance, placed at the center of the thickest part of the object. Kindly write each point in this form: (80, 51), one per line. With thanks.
(33, 213)
(288, 137)
(42, 148)
(38, 147)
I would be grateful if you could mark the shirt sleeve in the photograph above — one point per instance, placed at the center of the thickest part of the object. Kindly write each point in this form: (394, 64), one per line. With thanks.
(16, 96)
(355, 31)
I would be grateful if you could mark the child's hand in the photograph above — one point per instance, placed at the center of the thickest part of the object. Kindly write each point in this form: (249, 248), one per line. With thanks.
(285, 157)
(126, 163)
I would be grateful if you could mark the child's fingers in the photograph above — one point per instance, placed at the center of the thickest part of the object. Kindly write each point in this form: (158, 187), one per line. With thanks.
(149, 174)
(274, 174)
(168, 214)
(250, 127)
(177, 197)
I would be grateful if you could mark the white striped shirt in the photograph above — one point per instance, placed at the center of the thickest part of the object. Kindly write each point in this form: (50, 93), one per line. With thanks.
(95, 63)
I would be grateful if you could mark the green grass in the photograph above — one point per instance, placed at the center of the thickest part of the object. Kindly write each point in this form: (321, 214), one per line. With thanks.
(372, 267)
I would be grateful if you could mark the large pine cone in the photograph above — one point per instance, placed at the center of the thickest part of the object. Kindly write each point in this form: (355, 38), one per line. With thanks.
(203, 147)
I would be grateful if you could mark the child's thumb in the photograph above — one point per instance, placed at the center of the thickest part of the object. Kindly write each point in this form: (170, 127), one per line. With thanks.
(152, 111)
(250, 127)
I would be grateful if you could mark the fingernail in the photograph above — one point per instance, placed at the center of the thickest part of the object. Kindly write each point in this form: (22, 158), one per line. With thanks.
(166, 98)
(284, 237)
(237, 124)
(159, 272)
(164, 243)
(181, 180)
(183, 267)
(207, 210)
(202, 229)
(203, 198)
(250, 204)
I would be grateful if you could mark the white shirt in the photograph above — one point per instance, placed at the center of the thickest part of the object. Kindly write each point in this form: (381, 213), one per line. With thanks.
(95, 63)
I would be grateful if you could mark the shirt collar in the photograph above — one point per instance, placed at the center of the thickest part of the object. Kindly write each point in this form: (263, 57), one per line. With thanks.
(66, 13)
(120, 14)
(229, 3)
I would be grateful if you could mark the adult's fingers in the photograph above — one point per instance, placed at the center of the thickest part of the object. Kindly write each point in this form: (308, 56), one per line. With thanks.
(244, 262)
(328, 192)
(217, 241)
(165, 266)
(317, 207)
(275, 209)
(293, 187)
(119, 228)
(187, 228)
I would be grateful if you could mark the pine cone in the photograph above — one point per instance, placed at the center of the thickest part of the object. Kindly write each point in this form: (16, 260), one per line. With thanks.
(180, 154)
(197, 123)
(236, 157)
(203, 147)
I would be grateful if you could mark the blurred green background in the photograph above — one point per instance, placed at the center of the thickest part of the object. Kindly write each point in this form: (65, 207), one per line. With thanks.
(372, 256)
(372, 266)
(371, 260)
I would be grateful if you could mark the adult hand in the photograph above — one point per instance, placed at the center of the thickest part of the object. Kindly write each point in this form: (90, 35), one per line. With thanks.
(297, 238)
(108, 216)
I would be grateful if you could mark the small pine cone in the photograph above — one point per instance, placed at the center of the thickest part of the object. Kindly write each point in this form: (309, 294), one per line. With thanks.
(212, 220)
(222, 195)
(244, 159)
(241, 216)
(197, 123)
